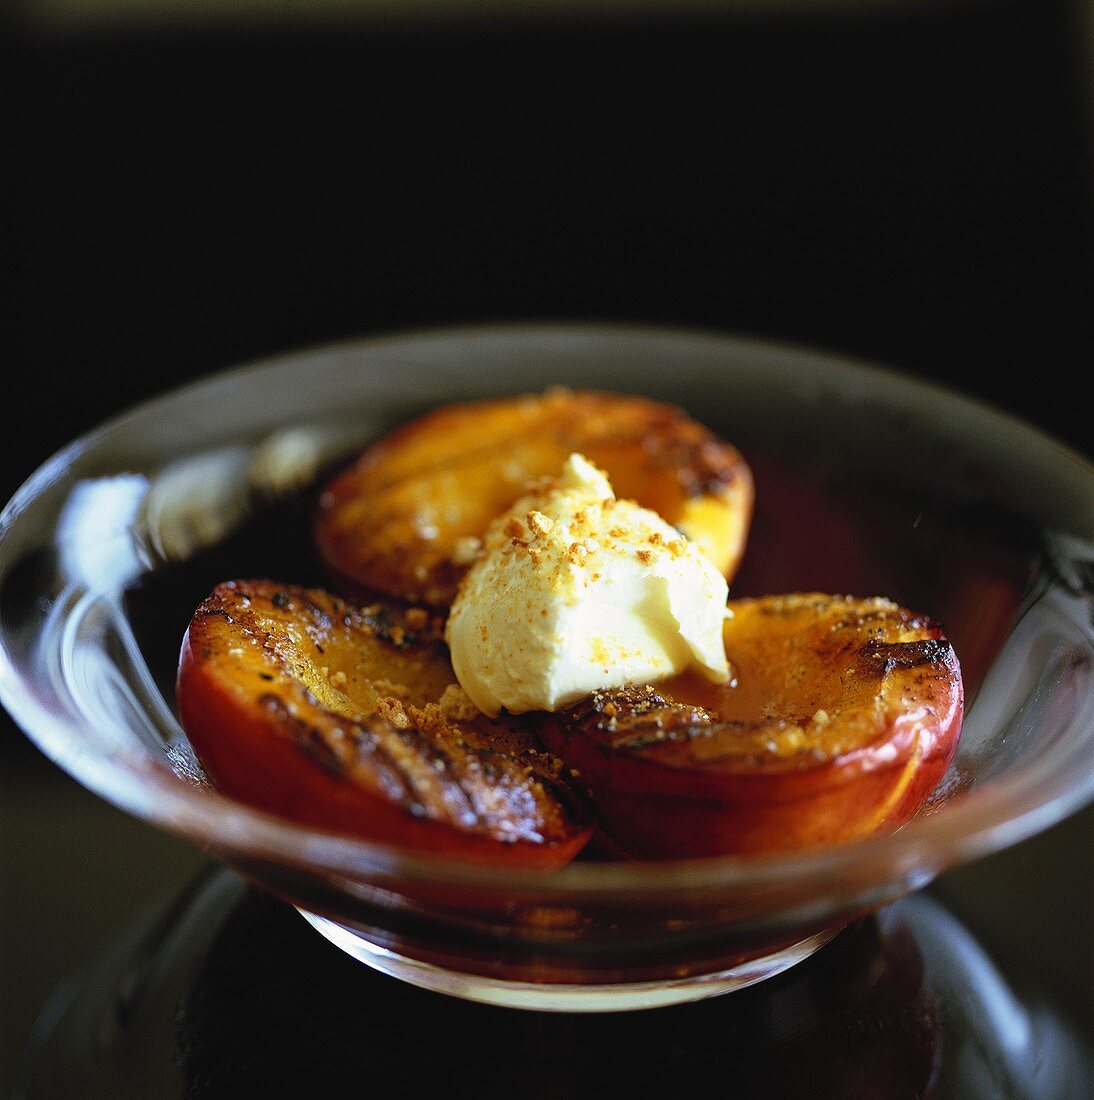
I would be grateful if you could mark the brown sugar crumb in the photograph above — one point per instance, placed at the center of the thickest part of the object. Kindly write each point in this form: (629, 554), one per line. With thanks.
(515, 529)
(392, 710)
(539, 523)
(678, 547)
(656, 539)
(644, 556)
(618, 532)
(577, 552)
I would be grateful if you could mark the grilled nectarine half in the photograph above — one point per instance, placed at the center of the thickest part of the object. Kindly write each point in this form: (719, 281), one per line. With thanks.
(841, 720)
(405, 519)
(350, 719)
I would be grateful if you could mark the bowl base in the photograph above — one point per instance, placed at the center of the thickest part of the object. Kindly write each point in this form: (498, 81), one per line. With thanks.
(550, 996)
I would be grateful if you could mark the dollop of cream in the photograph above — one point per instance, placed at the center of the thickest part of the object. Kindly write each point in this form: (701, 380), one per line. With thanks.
(575, 590)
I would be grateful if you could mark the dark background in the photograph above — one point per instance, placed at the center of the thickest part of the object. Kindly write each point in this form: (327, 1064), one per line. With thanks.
(913, 187)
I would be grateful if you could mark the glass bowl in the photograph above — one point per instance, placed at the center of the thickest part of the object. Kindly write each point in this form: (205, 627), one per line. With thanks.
(867, 482)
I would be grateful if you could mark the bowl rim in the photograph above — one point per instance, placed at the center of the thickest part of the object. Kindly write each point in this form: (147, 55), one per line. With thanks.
(1002, 812)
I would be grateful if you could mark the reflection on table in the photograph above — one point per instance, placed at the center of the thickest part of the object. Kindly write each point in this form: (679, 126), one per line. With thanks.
(228, 992)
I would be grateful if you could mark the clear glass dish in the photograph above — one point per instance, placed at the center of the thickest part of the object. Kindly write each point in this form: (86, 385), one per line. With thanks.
(867, 482)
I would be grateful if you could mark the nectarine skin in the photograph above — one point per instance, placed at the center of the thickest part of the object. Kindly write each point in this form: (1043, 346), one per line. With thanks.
(842, 719)
(342, 718)
(403, 520)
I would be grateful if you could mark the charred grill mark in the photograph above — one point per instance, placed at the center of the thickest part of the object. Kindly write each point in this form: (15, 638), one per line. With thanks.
(604, 707)
(417, 759)
(687, 730)
(312, 741)
(704, 467)
(396, 781)
(439, 768)
(647, 714)
(575, 806)
(308, 737)
(890, 656)
(322, 612)
(655, 733)
(208, 612)
(678, 723)
(670, 440)
(637, 717)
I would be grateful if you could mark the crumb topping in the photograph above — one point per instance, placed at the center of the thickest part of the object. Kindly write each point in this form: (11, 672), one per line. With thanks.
(572, 575)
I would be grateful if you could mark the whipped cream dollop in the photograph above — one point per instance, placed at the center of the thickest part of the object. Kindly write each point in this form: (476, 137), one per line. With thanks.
(575, 590)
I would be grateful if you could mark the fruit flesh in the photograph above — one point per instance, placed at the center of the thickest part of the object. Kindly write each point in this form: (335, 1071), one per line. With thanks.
(842, 719)
(349, 719)
(403, 519)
